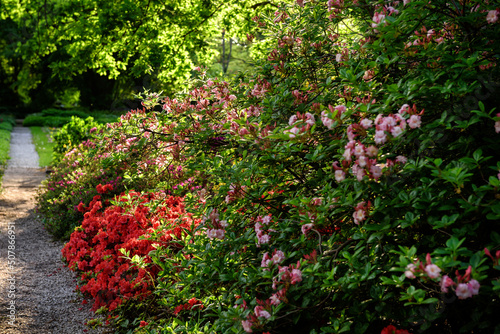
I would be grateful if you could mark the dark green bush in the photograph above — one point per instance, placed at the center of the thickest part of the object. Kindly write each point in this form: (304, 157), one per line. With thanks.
(64, 113)
(40, 120)
(72, 134)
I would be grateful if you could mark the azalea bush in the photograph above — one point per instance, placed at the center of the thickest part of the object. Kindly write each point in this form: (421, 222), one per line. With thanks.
(351, 184)
(124, 155)
(105, 249)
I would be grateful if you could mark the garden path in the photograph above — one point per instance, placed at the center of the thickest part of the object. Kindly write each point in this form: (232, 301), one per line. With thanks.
(37, 293)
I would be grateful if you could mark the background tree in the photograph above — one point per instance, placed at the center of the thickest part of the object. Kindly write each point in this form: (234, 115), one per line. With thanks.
(99, 52)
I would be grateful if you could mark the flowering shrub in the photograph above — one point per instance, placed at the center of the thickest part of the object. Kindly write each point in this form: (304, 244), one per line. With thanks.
(129, 228)
(367, 138)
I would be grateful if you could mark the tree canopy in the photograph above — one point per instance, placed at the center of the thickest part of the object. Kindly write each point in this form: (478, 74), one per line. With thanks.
(54, 46)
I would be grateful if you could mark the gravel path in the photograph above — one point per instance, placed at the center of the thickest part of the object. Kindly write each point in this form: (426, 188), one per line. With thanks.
(37, 294)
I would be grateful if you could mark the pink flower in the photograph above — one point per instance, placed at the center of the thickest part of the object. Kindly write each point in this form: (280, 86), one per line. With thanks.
(377, 18)
(432, 270)
(396, 131)
(366, 123)
(310, 119)
(340, 109)
(306, 228)
(376, 171)
(296, 276)
(292, 120)
(414, 121)
(463, 291)
(369, 74)
(260, 312)
(340, 175)
(265, 260)
(404, 109)
(328, 122)
(446, 282)
(362, 161)
(278, 256)
(347, 155)
(266, 220)
(247, 326)
(359, 150)
(380, 137)
(410, 271)
(372, 151)
(492, 16)
(275, 300)
(474, 287)
(359, 215)
(264, 239)
(401, 159)
(497, 126)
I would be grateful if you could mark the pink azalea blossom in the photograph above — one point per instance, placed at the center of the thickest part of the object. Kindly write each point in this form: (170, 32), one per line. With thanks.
(492, 16)
(372, 151)
(376, 171)
(410, 271)
(359, 215)
(404, 109)
(247, 326)
(327, 121)
(296, 276)
(340, 109)
(463, 291)
(414, 121)
(347, 155)
(278, 256)
(497, 126)
(401, 159)
(446, 282)
(260, 312)
(292, 120)
(266, 219)
(340, 175)
(359, 150)
(432, 270)
(293, 132)
(275, 300)
(362, 161)
(306, 228)
(396, 131)
(366, 123)
(310, 119)
(473, 287)
(380, 137)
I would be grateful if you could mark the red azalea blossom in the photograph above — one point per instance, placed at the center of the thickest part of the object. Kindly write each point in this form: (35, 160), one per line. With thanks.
(393, 330)
(94, 249)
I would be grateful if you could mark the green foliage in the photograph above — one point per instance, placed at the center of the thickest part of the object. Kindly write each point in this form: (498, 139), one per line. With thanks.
(84, 48)
(71, 134)
(350, 184)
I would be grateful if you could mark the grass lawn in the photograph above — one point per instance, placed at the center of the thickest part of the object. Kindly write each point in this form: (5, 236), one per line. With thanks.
(43, 144)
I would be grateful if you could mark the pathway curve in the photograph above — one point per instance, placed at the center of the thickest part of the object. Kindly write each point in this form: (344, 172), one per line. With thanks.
(37, 294)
